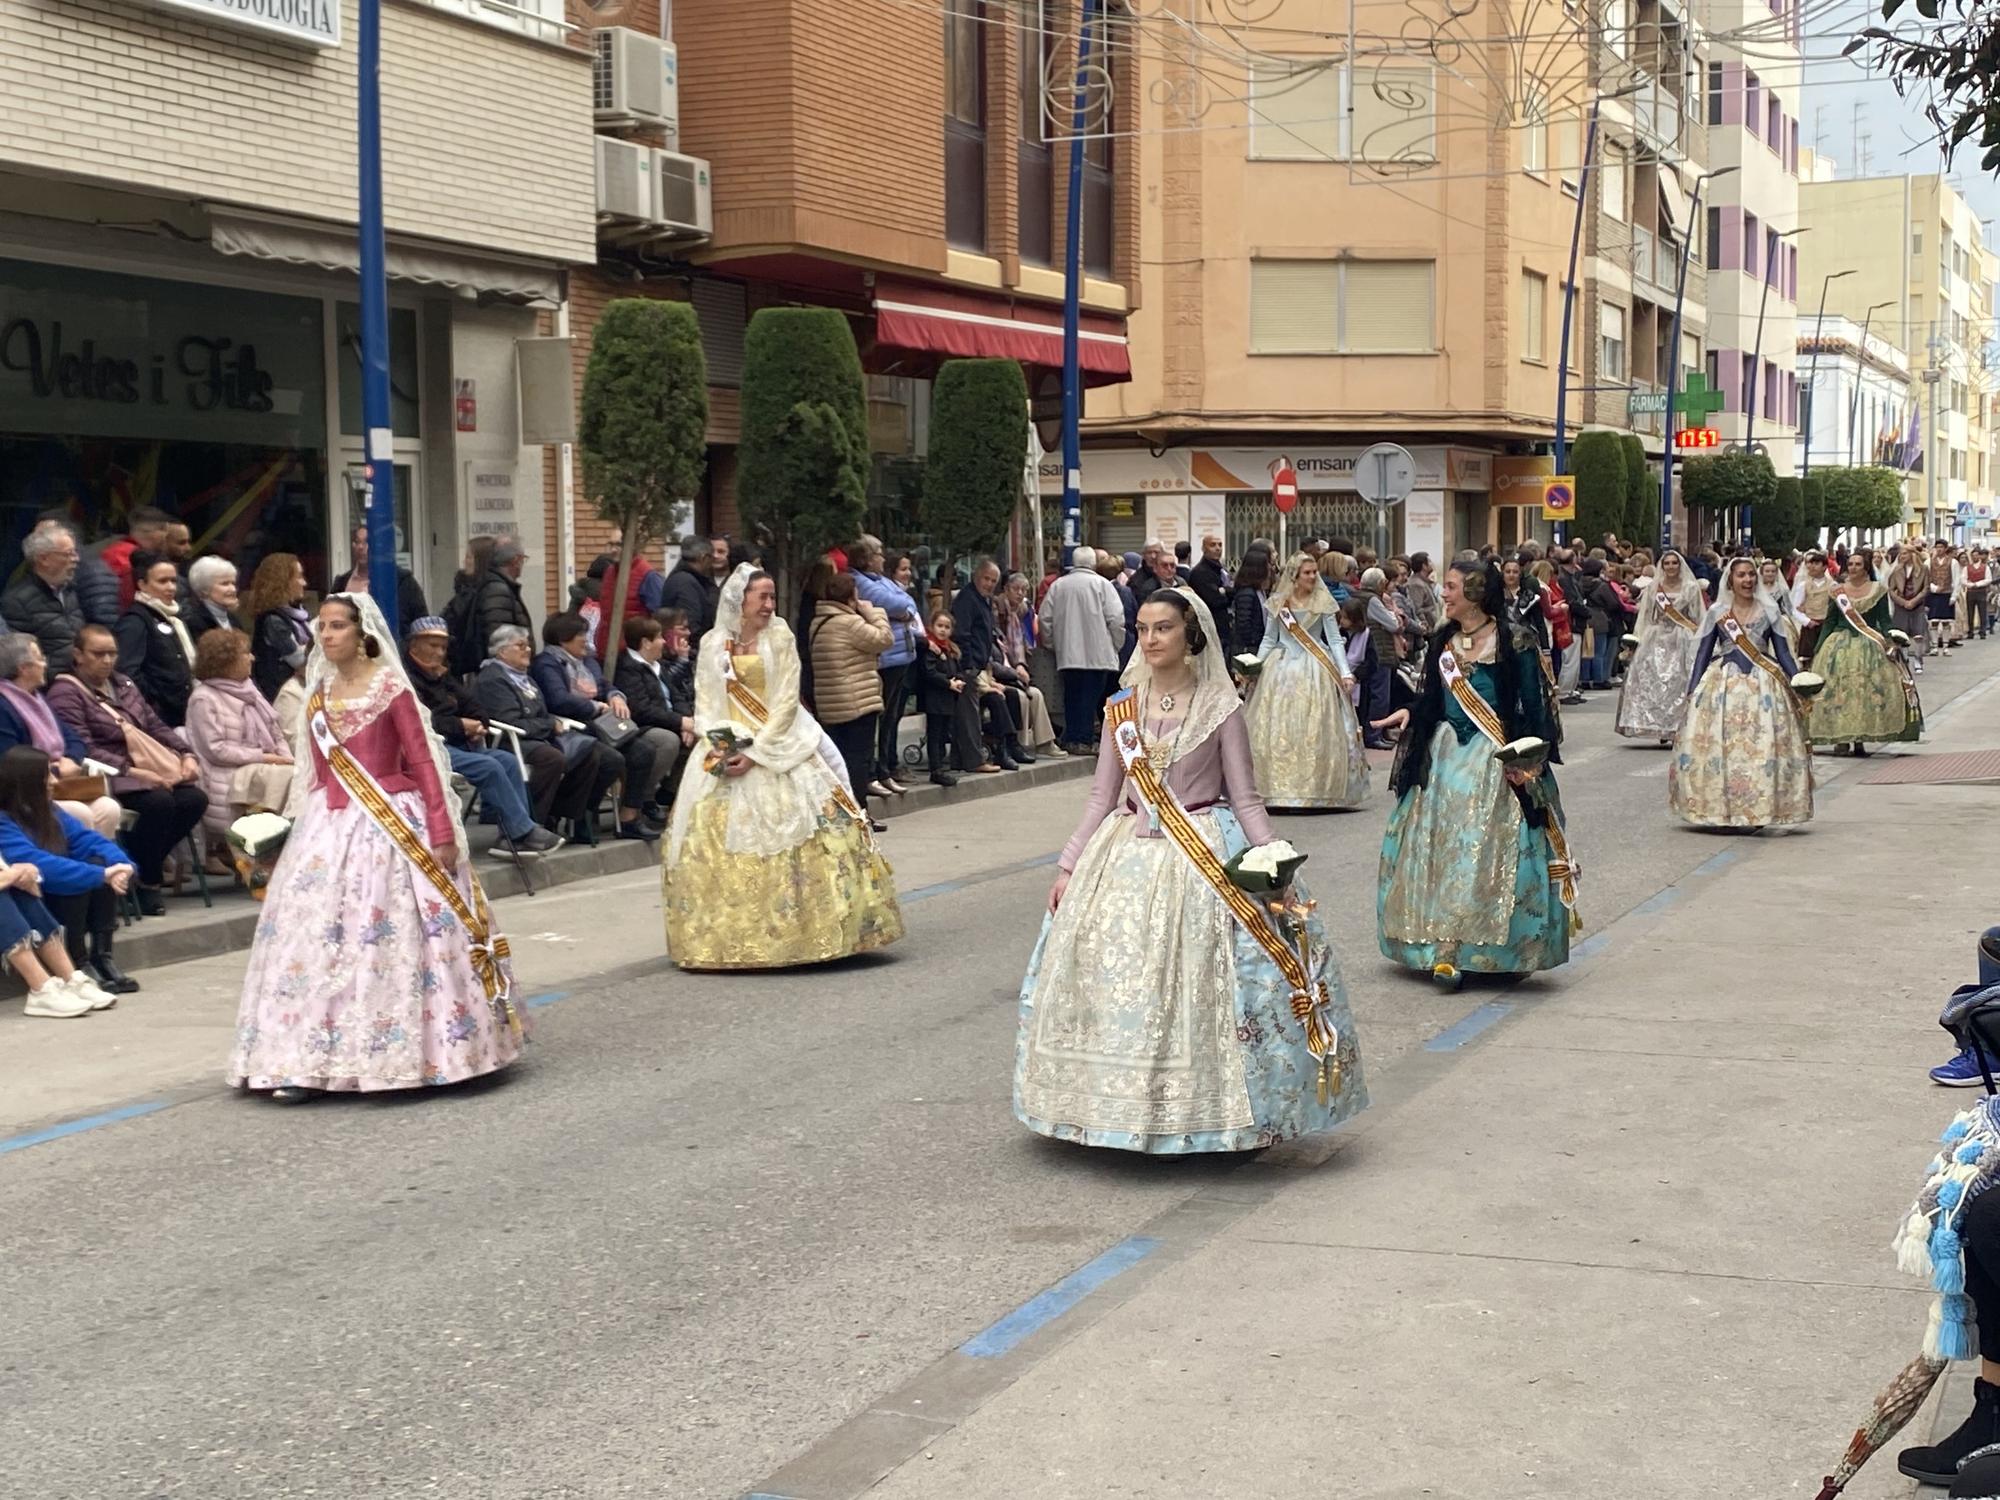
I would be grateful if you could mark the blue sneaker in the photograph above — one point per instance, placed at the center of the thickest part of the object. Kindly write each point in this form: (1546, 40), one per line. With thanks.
(1962, 1072)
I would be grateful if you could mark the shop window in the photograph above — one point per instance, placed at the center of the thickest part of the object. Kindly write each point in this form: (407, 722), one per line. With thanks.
(965, 124)
(403, 382)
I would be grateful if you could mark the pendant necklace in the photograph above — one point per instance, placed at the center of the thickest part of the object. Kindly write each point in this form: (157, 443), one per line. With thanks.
(1153, 755)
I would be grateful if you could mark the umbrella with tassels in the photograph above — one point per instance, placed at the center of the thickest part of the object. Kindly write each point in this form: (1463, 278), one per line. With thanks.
(1893, 1410)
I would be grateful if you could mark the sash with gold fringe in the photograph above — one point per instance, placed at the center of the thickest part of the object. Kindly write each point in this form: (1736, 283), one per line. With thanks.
(1740, 639)
(1672, 612)
(758, 715)
(1852, 614)
(1563, 870)
(488, 948)
(1310, 1000)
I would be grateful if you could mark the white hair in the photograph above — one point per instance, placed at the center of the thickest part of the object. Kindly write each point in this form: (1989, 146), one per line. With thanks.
(1083, 557)
(207, 572)
(505, 636)
(1374, 580)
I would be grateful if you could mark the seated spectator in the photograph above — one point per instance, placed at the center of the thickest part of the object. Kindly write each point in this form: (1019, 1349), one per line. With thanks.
(410, 603)
(290, 705)
(460, 722)
(280, 633)
(951, 707)
(642, 678)
(507, 694)
(27, 719)
(575, 687)
(82, 873)
(154, 647)
(155, 775)
(95, 584)
(245, 759)
(677, 659)
(146, 530)
(1011, 666)
(211, 602)
(43, 601)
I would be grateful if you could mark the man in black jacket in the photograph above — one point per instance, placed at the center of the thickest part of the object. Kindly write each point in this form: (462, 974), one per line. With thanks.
(410, 603)
(461, 723)
(1211, 586)
(43, 602)
(976, 630)
(496, 599)
(693, 587)
(640, 676)
(575, 781)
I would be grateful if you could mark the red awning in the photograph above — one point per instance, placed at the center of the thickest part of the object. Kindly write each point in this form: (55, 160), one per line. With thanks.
(913, 315)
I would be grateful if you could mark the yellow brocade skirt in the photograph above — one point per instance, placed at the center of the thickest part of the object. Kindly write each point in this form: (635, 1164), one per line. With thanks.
(826, 898)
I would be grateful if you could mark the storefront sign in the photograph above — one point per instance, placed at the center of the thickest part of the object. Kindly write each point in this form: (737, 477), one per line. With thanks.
(490, 489)
(201, 373)
(1517, 479)
(1248, 470)
(314, 23)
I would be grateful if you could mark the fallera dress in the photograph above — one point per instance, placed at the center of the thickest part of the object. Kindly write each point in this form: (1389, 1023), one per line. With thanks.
(769, 869)
(1305, 735)
(1473, 873)
(360, 977)
(1741, 759)
(1150, 1019)
(1654, 698)
(1870, 697)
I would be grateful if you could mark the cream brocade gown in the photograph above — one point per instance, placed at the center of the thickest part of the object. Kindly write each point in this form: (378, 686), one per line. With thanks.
(1305, 736)
(828, 897)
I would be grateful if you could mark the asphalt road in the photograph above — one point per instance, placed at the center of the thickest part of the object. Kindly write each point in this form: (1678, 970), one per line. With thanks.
(707, 1220)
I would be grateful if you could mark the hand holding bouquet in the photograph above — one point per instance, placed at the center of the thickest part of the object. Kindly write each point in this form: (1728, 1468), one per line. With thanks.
(724, 744)
(255, 842)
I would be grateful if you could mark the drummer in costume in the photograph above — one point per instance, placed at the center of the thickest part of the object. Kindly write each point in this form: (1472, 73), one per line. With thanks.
(1870, 696)
(1165, 1010)
(1305, 736)
(1476, 871)
(1741, 759)
(1653, 700)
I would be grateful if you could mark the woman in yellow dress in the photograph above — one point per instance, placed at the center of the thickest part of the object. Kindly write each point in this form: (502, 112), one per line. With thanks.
(1305, 736)
(769, 860)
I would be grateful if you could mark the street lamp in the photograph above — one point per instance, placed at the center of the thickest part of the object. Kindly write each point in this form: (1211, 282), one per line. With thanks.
(1812, 367)
(1072, 386)
(1860, 371)
(1757, 365)
(1674, 355)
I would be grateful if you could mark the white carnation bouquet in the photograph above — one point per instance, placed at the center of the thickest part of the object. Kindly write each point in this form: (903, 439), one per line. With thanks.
(257, 839)
(1264, 868)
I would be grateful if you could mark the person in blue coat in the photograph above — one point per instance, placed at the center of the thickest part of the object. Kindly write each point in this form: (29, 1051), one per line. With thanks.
(82, 873)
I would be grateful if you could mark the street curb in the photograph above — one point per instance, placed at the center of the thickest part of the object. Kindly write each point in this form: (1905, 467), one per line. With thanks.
(974, 787)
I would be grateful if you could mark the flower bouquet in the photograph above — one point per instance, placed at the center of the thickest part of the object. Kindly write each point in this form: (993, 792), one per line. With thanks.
(1264, 869)
(1527, 753)
(723, 742)
(255, 841)
(1900, 639)
(1248, 665)
(1808, 685)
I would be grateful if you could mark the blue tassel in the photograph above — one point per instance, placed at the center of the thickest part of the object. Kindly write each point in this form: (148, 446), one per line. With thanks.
(1955, 1328)
(1970, 1152)
(1955, 1131)
(1949, 1193)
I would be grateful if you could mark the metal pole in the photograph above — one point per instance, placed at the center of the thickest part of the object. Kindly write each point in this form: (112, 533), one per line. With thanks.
(1674, 368)
(1072, 441)
(1930, 442)
(1569, 303)
(375, 419)
(1860, 373)
(1750, 404)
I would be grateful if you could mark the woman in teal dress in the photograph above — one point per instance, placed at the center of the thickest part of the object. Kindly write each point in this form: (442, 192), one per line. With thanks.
(1870, 696)
(1476, 872)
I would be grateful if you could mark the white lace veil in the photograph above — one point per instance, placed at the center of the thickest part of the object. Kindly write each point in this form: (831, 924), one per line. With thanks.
(1319, 602)
(1214, 691)
(1688, 597)
(767, 814)
(389, 662)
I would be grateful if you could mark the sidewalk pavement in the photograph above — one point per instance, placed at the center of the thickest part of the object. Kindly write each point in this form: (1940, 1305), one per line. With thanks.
(1621, 1232)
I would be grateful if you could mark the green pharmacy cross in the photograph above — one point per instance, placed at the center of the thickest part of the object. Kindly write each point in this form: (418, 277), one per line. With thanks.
(1698, 403)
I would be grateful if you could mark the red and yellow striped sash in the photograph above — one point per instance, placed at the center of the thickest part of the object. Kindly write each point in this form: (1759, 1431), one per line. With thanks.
(758, 715)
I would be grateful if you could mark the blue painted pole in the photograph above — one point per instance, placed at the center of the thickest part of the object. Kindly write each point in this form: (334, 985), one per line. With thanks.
(1569, 307)
(375, 419)
(1674, 372)
(1072, 417)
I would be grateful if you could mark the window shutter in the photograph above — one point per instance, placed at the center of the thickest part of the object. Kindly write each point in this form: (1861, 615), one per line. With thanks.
(1388, 307)
(1295, 110)
(719, 307)
(1395, 114)
(1294, 306)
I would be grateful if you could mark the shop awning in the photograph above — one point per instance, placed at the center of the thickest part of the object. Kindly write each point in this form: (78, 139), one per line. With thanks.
(331, 248)
(912, 315)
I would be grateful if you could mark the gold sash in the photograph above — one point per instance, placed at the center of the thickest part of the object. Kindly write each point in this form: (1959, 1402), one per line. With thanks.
(758, 715)
(1563, 870)
(1310, 1000)
(1860, 623)
(1674, 614)
(1318, 652)
(488, 948)
(1740, 639)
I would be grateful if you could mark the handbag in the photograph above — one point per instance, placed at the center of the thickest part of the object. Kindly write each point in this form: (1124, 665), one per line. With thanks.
(79, 788)
(146, 754)
(614, 730)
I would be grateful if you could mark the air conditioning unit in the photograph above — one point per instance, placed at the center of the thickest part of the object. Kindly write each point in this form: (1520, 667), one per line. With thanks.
(636, 81)
(627, 185)
(684, 203)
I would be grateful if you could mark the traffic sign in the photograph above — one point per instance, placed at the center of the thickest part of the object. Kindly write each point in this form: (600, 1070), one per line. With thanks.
(1284, 486)
(1559, 498)
(1385, 474)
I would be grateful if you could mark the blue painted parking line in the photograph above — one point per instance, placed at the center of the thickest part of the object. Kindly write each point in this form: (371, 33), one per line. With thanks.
(1040, 1311)
(1455, 1036)
(948, 887)
(1715, 864)
(77, 1127)
(1590, 947)
(536, 1002)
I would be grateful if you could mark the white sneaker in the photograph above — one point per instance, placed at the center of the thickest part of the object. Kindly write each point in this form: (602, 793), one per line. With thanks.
(56, 999)
(99, 997)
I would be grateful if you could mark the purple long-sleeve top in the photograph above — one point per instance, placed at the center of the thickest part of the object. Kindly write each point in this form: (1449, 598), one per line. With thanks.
(1217, 770)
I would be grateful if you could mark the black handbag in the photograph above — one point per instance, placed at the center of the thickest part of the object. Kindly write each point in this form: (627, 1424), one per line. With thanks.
(614, 730)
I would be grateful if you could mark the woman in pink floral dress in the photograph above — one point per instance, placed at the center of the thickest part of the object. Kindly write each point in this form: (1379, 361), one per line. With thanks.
(375, 965)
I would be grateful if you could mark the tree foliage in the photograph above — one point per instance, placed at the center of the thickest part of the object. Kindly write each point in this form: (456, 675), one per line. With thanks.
(1642, 496)
(978, 449)
(1863, 499)
(1952, 65)
(1774, 525)
(1728, 482)
(1812, 507)
(643, 432)
(802, 458)
(1598, 461)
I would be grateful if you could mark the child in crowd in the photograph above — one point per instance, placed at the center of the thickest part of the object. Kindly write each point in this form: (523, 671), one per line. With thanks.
(951, 706)
(677, 662)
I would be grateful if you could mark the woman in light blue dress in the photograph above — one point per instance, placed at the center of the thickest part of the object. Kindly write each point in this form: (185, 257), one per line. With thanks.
(1476, 872)
(1305, 736)
(1151, 1017)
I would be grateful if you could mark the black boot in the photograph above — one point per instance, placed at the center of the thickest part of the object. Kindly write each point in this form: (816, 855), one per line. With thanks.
(1939, 1463)
(997, 753)
(1017, 748)
(109, 976)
